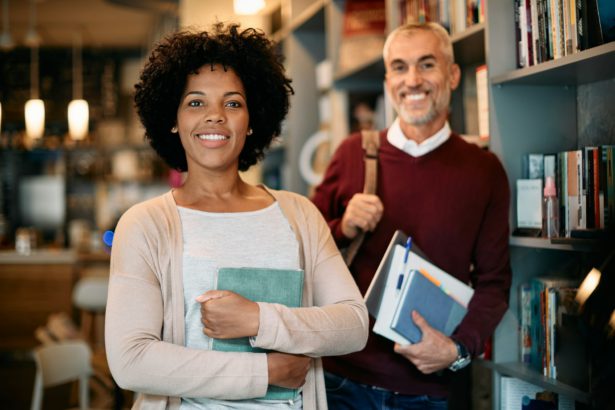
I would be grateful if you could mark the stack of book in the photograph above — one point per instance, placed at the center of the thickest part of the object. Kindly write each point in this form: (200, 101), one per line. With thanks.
(585, 187)
(552, 337)
(406, 281)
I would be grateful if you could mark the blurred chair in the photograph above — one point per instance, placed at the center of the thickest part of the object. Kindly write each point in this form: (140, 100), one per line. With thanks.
(61, 363)
(90, 297)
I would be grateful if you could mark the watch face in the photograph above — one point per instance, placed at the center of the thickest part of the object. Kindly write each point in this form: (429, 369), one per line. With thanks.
(460, 363)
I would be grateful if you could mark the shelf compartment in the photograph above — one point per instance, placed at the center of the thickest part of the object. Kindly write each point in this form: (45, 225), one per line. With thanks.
(520, 371)
(587, 66)
(469, 45)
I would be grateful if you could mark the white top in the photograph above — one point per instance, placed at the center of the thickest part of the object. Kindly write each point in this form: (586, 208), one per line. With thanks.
(396, 138)
(262, 239)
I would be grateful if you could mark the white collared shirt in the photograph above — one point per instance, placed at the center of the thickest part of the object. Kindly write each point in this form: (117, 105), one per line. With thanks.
(396, 138)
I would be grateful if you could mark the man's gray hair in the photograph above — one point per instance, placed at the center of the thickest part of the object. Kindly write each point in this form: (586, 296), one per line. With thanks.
(410, 28)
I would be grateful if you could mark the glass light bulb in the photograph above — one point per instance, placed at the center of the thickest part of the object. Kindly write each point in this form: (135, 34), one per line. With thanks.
(35, 118)
(78, 119)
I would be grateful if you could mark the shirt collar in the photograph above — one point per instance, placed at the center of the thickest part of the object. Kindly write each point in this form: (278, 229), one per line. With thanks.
(396, 137)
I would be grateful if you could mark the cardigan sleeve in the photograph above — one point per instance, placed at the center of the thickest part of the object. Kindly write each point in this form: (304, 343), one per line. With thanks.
(138, 357)
(338, 322)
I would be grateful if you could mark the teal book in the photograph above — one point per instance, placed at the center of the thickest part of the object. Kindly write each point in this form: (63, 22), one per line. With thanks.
(283, 286)
(427, 297)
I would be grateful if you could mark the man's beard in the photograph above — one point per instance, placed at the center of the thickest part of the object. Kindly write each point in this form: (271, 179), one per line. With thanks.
(434, 110)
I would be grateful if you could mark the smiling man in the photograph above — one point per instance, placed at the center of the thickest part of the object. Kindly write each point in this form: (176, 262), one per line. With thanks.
(451, 197)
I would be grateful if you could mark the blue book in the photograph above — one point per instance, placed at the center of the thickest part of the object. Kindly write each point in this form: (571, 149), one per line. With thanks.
(427, 297)
(283, 286)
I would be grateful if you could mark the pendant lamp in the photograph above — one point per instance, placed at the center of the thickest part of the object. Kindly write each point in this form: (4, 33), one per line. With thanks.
(78, 109)
(35, 107)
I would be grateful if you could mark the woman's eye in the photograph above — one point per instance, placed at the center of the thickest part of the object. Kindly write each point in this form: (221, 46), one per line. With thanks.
(233, 104)
(195, 103)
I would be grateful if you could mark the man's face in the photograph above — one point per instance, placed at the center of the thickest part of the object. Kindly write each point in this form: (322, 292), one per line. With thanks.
(419, 78)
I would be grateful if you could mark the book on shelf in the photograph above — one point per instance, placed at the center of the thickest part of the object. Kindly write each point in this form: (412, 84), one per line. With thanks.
(533, 165)
(363, 34)
(525, 331)
(557, 345)
(283, 286)
(551, 29)
(529, 203)
(606, 19)
(482, 97)
(585, 188)
(383, 297)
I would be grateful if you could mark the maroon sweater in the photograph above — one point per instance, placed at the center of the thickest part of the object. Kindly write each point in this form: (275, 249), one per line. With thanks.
(454, 202)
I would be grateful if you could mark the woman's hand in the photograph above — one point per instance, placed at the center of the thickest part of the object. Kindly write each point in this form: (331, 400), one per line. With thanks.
(287, 370)
(227, 315)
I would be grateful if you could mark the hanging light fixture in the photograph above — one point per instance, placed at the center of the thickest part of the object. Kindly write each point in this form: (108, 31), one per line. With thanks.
(35, 107)
(247, 7)
(78, 109)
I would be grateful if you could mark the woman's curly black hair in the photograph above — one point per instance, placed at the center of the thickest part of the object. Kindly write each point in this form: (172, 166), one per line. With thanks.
(253, 58)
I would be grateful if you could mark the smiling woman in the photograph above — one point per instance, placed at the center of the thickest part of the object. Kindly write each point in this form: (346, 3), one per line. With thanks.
(211, 103)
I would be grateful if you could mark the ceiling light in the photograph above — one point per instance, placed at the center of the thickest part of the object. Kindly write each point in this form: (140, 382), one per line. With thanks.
(247, 7)
(35, 108)
(78, 109)
(35, 118)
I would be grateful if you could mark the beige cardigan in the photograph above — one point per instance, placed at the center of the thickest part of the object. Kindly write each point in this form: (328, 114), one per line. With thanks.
(145, 312)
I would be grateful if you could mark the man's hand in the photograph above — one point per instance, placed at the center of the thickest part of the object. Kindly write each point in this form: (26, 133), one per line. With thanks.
(227, 315)
(287, 370)
(362, 214)
(434, 352)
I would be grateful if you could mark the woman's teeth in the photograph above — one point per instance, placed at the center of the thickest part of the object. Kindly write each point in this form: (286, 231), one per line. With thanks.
(211, 137)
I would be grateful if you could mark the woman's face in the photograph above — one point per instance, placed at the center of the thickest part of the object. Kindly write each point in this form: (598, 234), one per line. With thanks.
(213, 118)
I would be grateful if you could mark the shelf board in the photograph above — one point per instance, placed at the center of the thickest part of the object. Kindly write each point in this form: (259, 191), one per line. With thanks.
(587, 66)
(562, 244)
(520, 371)
(469, 45)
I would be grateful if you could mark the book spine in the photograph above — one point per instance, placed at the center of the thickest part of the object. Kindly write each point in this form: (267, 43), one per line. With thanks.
(588, 170)
(526, 323)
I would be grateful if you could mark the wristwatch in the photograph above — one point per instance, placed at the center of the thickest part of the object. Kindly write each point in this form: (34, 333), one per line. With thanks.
(463, 357)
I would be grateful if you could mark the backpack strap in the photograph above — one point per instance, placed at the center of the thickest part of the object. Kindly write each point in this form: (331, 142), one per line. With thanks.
(371, 143)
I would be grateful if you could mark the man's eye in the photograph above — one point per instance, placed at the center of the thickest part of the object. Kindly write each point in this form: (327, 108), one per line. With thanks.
(427, 65)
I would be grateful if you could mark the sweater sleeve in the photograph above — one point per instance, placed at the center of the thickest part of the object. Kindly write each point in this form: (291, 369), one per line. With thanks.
(343, 178)
(491, 277)
(138, 357)
(338, 322)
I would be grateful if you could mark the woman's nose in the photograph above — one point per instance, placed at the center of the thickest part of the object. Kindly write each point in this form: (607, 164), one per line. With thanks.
(214, 115)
